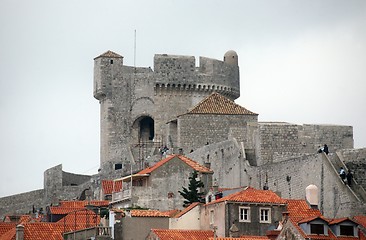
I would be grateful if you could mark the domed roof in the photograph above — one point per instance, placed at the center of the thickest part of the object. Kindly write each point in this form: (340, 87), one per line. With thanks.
(231, 57)
(311, 186)
(230, 53)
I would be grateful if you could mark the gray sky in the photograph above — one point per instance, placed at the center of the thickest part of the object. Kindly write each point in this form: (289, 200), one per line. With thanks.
(300, 61)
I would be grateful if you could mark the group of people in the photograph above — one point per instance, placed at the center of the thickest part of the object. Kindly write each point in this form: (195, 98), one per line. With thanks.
(346, 177)
(324, 149)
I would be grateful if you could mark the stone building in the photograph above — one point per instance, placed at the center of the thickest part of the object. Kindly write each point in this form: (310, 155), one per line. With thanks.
(190, 109)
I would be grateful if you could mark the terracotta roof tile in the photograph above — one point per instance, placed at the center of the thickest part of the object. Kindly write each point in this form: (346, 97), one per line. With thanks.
(178, 234)
(146, 213)
(339, 220)
(7, 230)
(252, 195)
(196, 166)
(9, 235)
(6, 226)
(218, 104)
(187, 209)
(299, 209)
(42, 231)
(242, 238)
(172, 213)
(360, 220)
(110, 186)
(309, 219)
(109, 54)
(80, 219)
(82, 204)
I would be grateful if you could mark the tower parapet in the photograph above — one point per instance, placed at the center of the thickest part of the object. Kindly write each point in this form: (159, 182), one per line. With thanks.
(136, 102)
(180, 72)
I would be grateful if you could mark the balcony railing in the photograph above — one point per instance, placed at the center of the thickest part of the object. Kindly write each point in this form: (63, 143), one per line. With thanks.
(120, 196)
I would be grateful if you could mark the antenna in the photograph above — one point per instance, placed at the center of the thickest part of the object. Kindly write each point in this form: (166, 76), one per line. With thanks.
(134, 52)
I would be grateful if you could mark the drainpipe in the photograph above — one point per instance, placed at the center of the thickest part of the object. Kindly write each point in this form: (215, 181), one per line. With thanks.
(19, 232)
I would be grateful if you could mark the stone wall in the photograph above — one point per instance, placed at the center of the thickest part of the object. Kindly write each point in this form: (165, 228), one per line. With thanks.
(72, 179)
(290, 178)
(277, 138)
(22, 203)
(127, 94)
(160, 189)
(335, 136)
(197, 130)
(226, 160)
(355, 160)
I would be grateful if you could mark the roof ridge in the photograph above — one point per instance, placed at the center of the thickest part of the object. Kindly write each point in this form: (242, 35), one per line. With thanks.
(216, 103)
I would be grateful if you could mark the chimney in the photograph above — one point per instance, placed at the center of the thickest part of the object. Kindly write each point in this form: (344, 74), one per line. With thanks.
(312, 196)
(19, 232)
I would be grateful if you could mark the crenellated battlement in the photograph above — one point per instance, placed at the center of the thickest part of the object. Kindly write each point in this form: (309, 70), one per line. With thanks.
(137, 102)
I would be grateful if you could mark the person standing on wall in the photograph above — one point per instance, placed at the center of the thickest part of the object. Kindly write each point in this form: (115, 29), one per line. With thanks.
(325, 149)
(349, 177)
(342, 174)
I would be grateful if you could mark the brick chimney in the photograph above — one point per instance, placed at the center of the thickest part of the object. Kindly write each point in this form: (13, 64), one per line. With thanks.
(19, 232)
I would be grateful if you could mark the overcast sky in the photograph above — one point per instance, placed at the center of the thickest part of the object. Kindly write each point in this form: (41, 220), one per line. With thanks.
(300, 62)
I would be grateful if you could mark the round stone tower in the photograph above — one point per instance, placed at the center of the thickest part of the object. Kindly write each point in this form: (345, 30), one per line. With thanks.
(137, 102)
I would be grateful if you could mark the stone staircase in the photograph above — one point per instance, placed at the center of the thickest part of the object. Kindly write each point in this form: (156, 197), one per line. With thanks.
(356, 189)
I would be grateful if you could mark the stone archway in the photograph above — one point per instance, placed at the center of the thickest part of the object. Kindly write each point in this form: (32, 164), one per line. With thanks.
(146, 129)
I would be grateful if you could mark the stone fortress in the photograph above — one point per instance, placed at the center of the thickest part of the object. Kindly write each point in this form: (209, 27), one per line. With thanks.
(190, 110)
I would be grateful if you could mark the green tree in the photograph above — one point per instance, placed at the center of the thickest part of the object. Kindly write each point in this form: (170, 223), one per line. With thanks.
(191, 194)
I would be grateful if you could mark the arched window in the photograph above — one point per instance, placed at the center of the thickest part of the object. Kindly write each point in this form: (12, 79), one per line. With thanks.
(146, 129)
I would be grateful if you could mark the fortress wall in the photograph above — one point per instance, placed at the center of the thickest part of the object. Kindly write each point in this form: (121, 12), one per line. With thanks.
(220, 72)
(171, 102)
(355, 160)
(291, 177)
(22, 203)
(226, 161)
(277, 138)
(52, 179)
(174, 67)
(335, 136)
(72, 179)
(211, 128)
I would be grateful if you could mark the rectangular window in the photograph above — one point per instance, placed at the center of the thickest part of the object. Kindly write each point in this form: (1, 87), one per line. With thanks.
(265, 215)
(316, 229)
(346, 230)
(244, 214)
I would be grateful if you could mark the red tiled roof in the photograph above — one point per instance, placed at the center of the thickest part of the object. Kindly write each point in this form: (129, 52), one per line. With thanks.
(7, 230)
(66, 207)
(172, 213)
(188, 161)
(187, 209)
(178, 234)
(252, 195)
(110, 186)
(360, 220)
(220, 105)
(80, 219)
(9, 235)
(309, 219)
(299, 209)
(242, 238)
(339, 220)
(42, 231)
(82, 204)
(109, 54)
